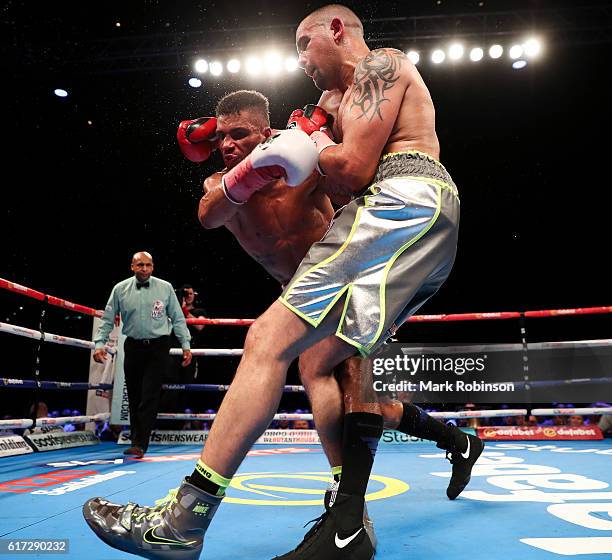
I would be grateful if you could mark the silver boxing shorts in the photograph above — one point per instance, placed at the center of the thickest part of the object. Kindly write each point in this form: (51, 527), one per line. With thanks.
(388, 251)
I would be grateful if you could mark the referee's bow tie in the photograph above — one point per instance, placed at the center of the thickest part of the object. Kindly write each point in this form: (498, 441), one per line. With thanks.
(143, 285)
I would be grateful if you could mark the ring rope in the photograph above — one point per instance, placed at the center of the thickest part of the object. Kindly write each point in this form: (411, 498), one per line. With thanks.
(50, 337)
(496, 315)
(59, 421)
(105, 416)
(571, 411)
(51, 300)
(14, 383)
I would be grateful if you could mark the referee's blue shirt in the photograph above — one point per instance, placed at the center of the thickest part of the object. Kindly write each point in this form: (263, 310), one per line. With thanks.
(146, 312)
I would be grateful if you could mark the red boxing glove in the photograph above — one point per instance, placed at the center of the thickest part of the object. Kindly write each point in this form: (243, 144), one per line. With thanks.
(311, 118)
(198, 138)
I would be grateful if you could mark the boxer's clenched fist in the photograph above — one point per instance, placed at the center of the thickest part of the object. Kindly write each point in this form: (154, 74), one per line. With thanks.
(311, 118)
(198, 138)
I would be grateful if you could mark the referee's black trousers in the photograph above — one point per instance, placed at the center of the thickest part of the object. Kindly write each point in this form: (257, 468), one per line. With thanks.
(145, 362)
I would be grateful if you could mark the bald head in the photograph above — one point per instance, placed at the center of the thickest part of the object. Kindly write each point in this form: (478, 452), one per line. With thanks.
(329, 42)
(142, 265)
(325, 15)
(140, 255)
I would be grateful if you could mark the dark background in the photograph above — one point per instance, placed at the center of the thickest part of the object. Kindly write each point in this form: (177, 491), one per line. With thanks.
(528, 150)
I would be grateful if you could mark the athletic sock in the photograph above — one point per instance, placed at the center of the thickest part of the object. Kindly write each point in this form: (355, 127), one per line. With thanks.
(337, 473)
(208, 480)
(416, 422)
(362, 431)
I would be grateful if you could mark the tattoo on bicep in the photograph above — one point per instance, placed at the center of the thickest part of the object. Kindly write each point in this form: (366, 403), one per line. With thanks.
(374, 75)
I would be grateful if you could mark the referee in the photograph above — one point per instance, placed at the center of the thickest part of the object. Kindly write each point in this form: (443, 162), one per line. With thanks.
(149, 310)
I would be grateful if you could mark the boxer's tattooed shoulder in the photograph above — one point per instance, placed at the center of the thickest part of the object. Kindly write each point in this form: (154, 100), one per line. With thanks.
(374, 76)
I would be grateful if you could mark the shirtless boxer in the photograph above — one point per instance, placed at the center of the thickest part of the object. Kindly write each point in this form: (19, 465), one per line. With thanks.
(407, 219)
(286, 223)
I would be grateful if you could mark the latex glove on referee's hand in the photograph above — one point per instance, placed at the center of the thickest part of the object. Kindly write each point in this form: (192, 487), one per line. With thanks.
(186, 358)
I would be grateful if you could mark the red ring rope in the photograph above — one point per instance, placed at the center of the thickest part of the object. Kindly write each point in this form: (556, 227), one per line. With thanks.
(496, 315)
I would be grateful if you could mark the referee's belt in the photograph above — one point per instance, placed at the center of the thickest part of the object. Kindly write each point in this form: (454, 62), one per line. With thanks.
(146, 341)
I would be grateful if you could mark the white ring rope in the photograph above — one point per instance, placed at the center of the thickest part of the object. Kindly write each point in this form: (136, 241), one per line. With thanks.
(570, 411)
(444, 415)
(60, 421)
(209, 352)
(50, 337)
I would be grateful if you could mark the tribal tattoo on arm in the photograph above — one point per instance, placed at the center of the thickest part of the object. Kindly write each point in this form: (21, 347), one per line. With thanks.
(374, 75)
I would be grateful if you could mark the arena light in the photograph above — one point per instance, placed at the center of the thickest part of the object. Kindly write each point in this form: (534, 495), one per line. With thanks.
(60, 92)
(533, 47)
(476, 54)
(216, 68)
(413, 56)
(438, 56)
(254, 65)
(195, 82)
(273, 63)
(201, 66)
(455, 51)
(516, 51)
(519, 64)
(233, 65)
(291, 64)
(496, 51)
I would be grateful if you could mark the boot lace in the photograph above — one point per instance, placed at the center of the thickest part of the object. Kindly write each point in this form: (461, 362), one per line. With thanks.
(317, 523)
(161, 505)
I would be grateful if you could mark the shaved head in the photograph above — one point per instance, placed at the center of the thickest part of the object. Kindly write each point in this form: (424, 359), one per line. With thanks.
(325, 15)
(329, 41)
(140, 254)
(142, 265)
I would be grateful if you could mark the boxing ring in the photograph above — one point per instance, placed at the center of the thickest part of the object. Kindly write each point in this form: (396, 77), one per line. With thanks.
(527, 499)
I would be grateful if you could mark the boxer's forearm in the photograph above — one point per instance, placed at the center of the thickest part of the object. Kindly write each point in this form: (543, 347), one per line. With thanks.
(345, 167)
(337, 193)
(215, 210)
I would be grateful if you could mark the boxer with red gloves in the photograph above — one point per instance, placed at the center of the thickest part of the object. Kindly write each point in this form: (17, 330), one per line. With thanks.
(252, 194)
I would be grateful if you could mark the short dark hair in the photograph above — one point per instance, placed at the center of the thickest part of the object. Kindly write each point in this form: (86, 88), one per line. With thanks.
(233, 103)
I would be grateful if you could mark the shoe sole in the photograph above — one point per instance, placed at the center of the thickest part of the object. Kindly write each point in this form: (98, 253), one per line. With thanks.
(155, 555)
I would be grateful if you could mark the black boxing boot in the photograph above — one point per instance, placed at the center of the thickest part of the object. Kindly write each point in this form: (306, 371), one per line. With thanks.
(462, 450)
(334, 536)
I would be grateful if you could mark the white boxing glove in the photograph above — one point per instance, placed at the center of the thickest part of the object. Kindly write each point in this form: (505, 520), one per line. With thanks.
(288, 154)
